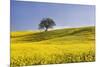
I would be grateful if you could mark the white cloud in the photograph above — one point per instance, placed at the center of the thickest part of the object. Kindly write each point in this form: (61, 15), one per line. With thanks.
(88, 2)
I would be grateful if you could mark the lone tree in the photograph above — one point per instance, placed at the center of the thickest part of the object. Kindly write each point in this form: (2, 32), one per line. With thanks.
(46, 23)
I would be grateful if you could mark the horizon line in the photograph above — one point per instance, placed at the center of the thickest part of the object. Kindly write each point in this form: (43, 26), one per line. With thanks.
(53, 28)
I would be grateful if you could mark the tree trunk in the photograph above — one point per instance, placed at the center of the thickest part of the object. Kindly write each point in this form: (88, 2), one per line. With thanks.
(46, 29)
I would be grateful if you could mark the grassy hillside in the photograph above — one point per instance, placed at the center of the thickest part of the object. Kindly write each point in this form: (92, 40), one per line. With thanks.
(55, 46)
(62, 33)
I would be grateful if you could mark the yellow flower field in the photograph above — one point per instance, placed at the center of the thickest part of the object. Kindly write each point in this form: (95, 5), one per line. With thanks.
(53, 47)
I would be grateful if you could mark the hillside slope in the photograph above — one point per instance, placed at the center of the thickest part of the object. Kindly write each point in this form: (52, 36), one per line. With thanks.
(81, 33)
(68, 45)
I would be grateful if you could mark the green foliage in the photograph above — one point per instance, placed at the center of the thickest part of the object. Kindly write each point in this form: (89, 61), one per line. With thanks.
(46, 23)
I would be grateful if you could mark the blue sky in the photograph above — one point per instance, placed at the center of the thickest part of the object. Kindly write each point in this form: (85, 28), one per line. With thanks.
(27, 15)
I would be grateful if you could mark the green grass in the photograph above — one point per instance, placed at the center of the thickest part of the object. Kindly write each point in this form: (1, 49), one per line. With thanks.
(67, 45)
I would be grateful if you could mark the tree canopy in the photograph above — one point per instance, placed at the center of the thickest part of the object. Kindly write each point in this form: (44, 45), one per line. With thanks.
(46, 23)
